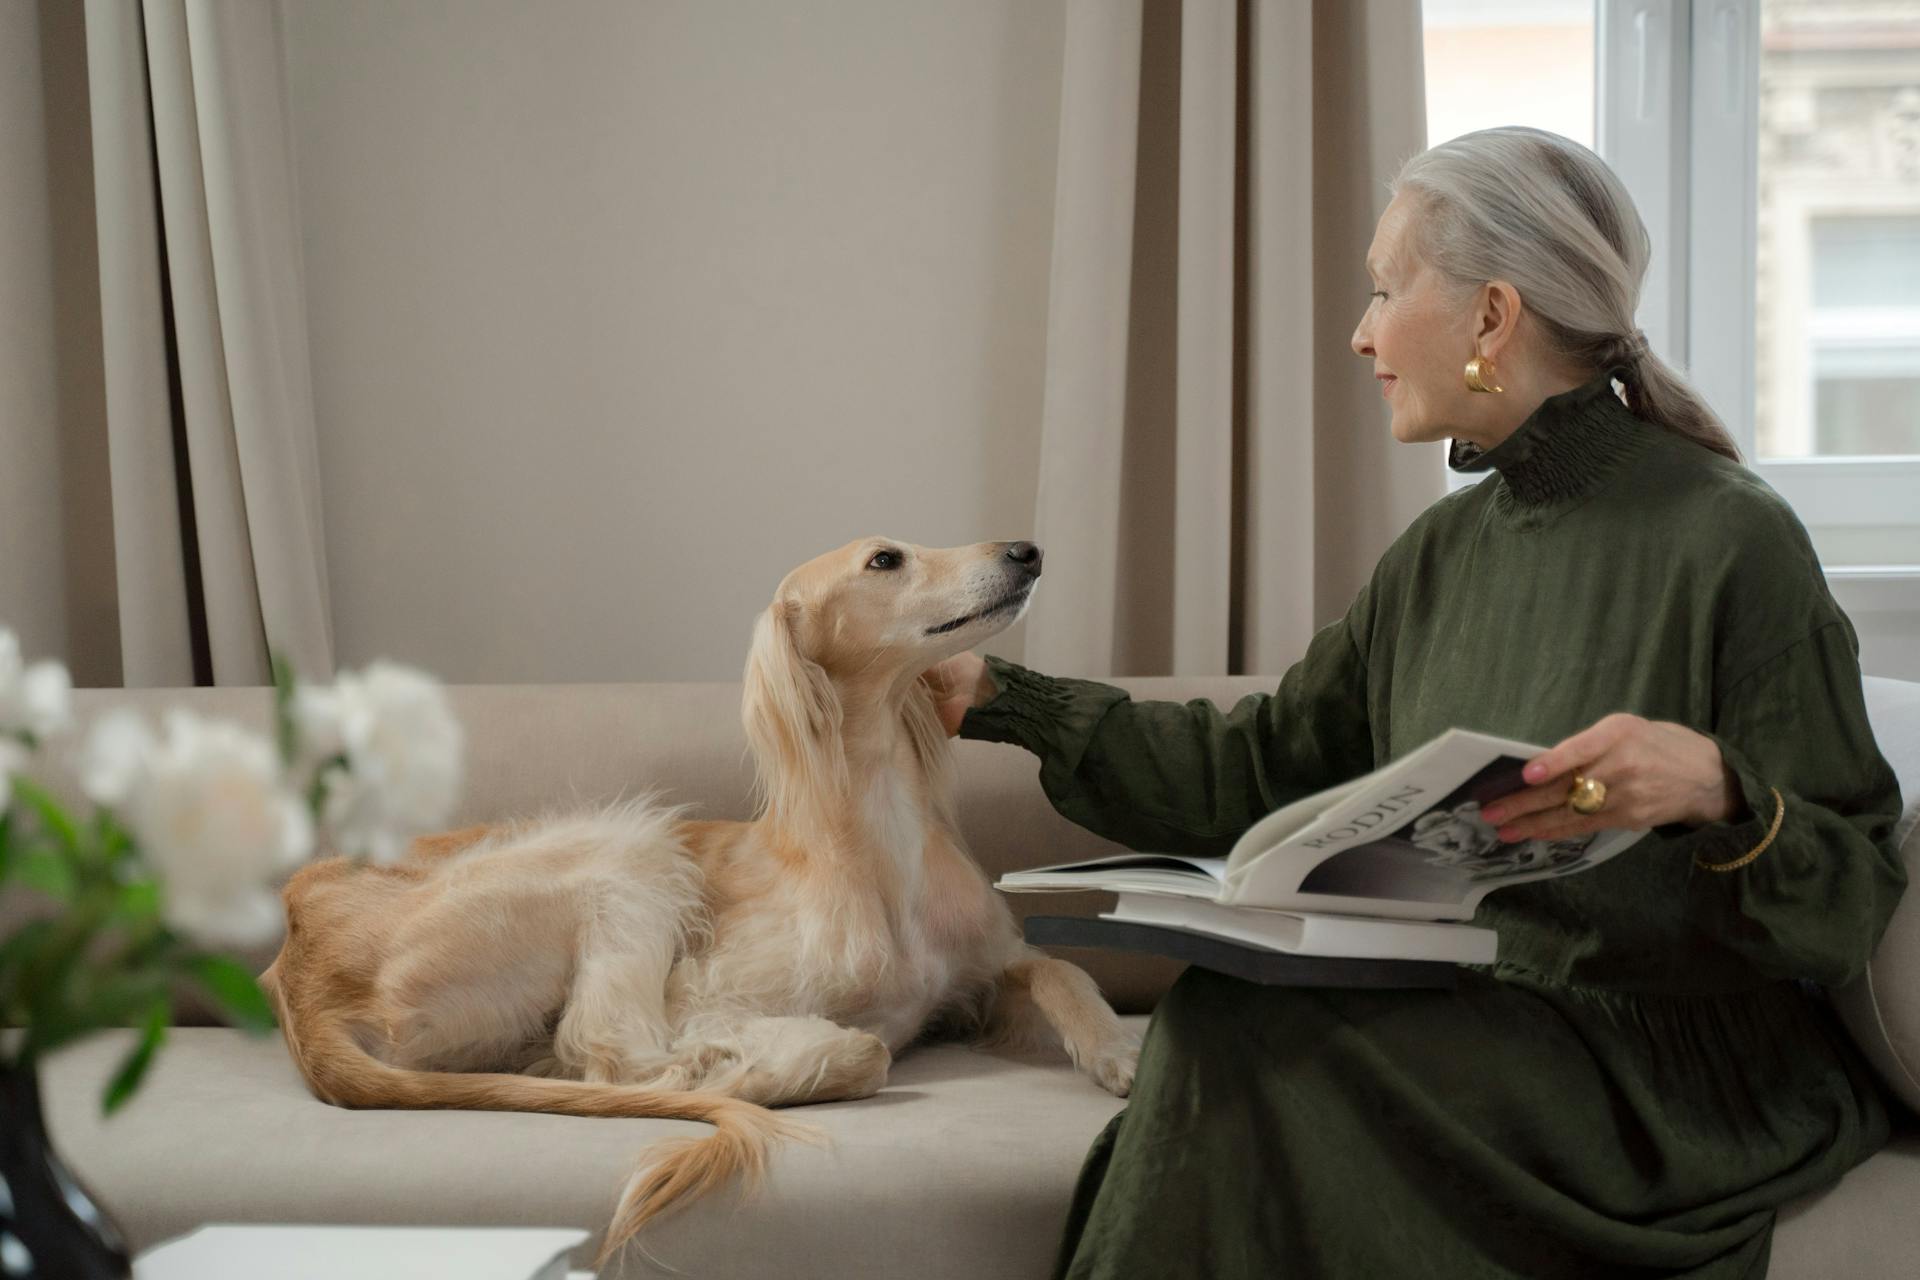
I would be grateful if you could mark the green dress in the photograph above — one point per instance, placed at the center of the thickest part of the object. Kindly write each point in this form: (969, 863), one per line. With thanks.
(1649, 1069)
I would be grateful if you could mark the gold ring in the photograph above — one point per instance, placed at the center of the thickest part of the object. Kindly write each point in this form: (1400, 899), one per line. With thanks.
(1587, 796)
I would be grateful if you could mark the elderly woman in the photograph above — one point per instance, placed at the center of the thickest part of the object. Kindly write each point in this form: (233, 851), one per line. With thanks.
(1649, 1070)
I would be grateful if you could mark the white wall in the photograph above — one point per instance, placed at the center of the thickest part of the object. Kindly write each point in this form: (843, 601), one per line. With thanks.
(619, 311)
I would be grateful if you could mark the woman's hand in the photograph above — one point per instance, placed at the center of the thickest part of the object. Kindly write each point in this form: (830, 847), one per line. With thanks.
(959, 683)
(1655, 772)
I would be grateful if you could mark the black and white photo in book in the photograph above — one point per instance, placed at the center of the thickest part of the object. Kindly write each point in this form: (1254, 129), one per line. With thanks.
(1445, 851)
(1406, 841)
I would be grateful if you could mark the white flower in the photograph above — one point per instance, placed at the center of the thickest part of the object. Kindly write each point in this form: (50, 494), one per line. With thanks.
(402, 747)
(207, 806)
(46, 698)
(115, 756)
(36, 698)
(317, 713)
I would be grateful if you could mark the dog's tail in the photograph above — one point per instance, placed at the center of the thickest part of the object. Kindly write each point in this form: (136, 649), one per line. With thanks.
(340, 1070)
(682, 1170)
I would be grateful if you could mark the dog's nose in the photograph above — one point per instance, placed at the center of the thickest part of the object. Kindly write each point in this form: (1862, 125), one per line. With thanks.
(1025, 553)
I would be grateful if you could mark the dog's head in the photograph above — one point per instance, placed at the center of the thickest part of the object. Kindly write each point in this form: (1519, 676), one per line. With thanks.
(862, 623)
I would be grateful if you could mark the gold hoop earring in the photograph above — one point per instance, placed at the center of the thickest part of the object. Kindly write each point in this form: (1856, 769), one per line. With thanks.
(1480, 375)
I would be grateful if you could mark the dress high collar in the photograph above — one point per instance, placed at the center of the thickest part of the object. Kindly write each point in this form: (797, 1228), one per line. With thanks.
(1562, 451)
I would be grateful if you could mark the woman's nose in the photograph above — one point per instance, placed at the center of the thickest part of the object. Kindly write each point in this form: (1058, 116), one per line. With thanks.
(1362, 341)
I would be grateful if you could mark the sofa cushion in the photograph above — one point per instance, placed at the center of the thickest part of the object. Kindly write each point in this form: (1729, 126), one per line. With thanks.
(963, 1164)
(1860, 1227)
(1882, 1008)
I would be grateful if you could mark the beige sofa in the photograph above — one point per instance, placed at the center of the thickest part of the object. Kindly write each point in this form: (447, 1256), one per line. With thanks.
(961, 1167)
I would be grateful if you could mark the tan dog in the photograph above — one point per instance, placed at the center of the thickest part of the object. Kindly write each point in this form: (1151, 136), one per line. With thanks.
(634, 962)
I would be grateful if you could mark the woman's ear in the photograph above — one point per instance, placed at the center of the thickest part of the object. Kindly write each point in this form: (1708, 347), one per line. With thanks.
(792, 714)
(1498, 315)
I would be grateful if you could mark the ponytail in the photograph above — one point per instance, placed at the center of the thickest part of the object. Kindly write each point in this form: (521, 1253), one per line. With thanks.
(1547, 214)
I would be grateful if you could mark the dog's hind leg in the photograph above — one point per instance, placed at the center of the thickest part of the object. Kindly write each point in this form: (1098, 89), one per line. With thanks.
(615, 1028)
(787, 1061)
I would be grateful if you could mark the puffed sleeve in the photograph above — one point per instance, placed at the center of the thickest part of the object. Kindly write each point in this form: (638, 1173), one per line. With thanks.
(1188, 778)
(1814, 903)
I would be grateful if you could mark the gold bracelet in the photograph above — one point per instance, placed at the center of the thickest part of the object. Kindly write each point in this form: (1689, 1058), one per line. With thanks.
(1754, 852)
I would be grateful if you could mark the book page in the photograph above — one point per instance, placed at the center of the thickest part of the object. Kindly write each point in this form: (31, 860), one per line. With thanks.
(1213, 868)
(1407, 840)
(1155, 872)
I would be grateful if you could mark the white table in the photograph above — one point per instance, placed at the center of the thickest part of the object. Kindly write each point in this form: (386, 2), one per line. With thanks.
(233, 1251)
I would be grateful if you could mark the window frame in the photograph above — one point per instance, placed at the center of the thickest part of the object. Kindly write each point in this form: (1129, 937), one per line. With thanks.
(1676, 84)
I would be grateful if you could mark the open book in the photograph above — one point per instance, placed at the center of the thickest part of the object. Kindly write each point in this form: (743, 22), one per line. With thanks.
(1374, 867)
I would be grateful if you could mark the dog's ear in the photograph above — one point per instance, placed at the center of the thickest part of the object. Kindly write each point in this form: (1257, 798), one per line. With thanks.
(920, 712)
(792, 715)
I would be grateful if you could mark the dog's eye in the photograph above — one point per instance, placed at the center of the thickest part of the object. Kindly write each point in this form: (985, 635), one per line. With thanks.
(885, 560)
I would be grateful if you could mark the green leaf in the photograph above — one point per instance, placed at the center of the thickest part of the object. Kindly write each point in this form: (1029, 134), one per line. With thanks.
(152, 952)
(111, 838)
(137, 903)
(18, 950)
(229, 983)
(283, 682)
(48, 810)
(127, 1078)
(48, 870)
(22, 942)
(63, 996)
(117, 998)
(47, 1032)
(6, 842)
(317, 793)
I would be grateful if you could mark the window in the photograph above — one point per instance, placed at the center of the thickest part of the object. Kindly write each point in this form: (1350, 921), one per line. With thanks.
(1773, 148)
(1859, 341)
(1544, 49)
(1838, 299)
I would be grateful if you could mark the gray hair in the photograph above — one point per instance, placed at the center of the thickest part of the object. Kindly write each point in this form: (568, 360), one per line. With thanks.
(1547, 215)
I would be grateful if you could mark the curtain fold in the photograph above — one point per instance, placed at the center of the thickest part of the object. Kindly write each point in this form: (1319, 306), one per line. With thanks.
(1089, 315)
(1216, 474)
(1204, 339)
(215, 465)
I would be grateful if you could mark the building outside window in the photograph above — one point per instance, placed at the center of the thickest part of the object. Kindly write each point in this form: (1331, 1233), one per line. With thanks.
(1838, 266)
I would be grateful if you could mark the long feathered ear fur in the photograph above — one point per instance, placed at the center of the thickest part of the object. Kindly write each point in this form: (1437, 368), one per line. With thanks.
(792, 716)
(929, 736)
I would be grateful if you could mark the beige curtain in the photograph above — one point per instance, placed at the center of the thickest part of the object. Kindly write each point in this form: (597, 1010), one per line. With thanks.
(210, 431)
(1216, 474)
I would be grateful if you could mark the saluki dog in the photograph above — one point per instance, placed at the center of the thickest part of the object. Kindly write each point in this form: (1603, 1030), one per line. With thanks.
(634, 961)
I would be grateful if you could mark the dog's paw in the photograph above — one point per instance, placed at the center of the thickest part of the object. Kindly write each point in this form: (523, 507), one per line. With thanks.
(1113, 1071)
(867, 1065)
(701, 1066)
(704, 1059)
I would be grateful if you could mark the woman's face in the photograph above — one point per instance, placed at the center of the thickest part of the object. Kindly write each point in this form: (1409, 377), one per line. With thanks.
(1417, 332)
